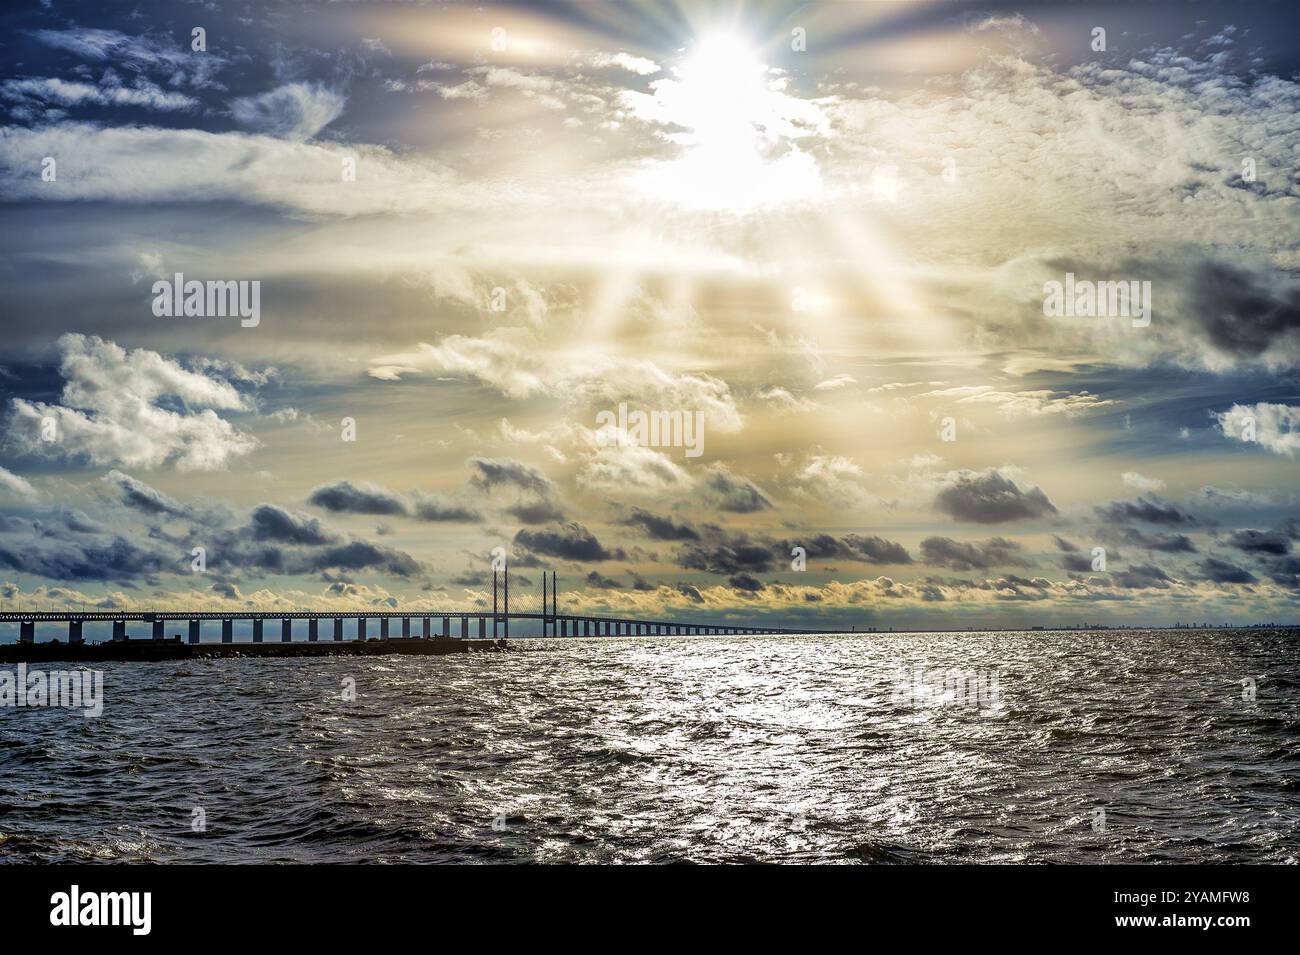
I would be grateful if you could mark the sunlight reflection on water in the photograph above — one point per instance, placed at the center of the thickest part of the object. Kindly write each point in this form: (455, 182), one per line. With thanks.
(671, 749)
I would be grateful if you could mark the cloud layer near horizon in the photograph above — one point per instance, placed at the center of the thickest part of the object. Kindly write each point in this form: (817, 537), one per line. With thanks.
(471, 253)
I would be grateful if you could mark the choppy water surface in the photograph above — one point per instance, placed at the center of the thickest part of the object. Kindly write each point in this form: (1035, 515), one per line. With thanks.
(679, 749)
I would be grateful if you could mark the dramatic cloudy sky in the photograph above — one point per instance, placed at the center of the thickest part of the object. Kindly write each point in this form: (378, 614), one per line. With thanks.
(826, 227)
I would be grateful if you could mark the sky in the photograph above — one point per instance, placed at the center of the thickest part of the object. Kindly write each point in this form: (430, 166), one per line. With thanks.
(825, 236)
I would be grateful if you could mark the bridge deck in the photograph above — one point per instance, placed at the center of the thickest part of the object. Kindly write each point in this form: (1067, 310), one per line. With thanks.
(150, 616)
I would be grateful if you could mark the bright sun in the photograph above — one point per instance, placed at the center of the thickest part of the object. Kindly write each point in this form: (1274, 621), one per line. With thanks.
(722, 93)
(722, 97)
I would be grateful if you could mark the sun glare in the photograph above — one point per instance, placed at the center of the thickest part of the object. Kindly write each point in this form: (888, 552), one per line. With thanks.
(730, 115)
(722, 92)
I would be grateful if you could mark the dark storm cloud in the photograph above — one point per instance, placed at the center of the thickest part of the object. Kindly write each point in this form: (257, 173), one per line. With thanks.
(1065, 545)
(661, 528)
(141, 496)
(471, 578)
(991, 498)
(1165, 543)
(1010, 587)
(597, 582)
(691, 592)
(113, 559)
(1076, 563)
(735, 494)
(279, 541)
(1242, 313)
(720, 551)
(271, 522)
(357, 555)
(344, 497)
(569, 541)
(970, 555)
(540, 503)
(495, 472)
(428, 507)
(1275, 543)
(869, 550)
(80, 523)
(225, 588)
(1147, 508)
(1222, 572)
(728, 552)
(274, 540)
(538, 511)
(1143, 577)
(747, 583)
(1284, 570)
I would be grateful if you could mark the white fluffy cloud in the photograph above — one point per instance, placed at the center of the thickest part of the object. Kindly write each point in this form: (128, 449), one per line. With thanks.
(513, 362)
(46, 90)
(1274, 427)
(17, 485)
(117, 409)
(294, 111)
(1013, 403)
(1141, 482)
(633, 64)
(633, 468)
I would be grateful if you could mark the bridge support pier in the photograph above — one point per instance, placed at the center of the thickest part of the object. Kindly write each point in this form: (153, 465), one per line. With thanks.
(74, 632)
(425, 630)
(158, 627)
(406, 626)
(361, 628)
(338, 628)
(383, 628)
(194, 631)
(313, 630)
(564, 628)
(257, 629)
(227, 631)
(446, 628)
(286, 630)
(27, 631)
(482, 628)
(464, 628)
(119, 630)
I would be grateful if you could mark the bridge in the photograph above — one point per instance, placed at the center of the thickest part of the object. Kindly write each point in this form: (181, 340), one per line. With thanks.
(498, 620)
(470, 624)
